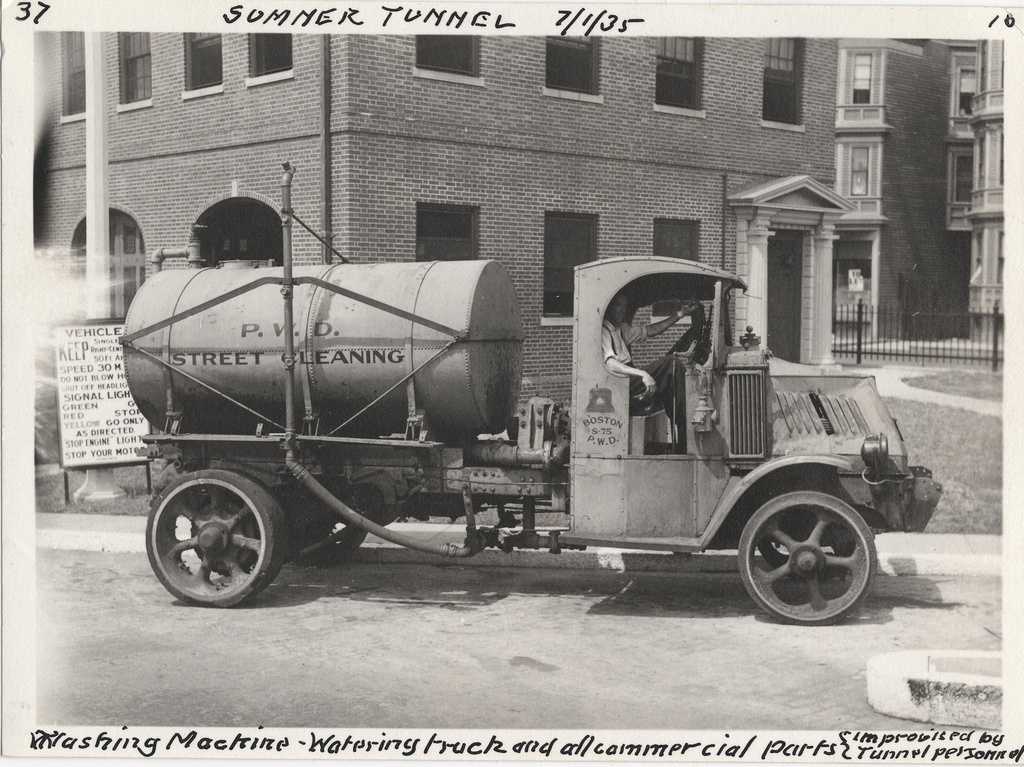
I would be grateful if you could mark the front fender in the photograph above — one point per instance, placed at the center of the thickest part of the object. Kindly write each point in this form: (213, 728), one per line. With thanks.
(738, 486)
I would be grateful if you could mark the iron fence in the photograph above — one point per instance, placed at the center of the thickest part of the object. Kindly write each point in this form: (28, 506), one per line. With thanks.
(864, 332)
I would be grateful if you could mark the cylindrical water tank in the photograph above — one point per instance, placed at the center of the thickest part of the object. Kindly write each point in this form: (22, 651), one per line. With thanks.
(348, 352)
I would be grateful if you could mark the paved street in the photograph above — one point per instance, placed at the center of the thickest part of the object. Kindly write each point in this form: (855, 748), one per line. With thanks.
(425, 646)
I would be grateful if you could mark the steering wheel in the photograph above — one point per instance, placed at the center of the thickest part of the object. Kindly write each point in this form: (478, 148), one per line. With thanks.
(697, 330)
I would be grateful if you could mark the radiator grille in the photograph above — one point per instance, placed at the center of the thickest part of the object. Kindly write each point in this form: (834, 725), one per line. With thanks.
(746, 414)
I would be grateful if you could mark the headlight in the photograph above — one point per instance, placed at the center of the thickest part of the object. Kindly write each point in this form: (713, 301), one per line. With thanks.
(875, 453)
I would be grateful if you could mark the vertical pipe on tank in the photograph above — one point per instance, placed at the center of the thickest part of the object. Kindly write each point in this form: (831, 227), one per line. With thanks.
(325, 147)
(286, 293)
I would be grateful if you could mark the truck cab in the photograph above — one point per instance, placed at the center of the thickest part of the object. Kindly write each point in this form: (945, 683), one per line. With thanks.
(793, 466)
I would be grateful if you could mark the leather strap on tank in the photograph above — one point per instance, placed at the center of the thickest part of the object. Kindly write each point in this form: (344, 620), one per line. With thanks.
(309, 380)
(412, 409)
(170, 404)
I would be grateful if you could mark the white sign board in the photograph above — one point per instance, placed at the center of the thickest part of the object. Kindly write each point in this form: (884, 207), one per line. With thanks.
(99, 422)
(855, 280)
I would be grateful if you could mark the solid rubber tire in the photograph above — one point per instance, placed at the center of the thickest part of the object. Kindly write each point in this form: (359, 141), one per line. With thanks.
(805, 498)
(269, 514)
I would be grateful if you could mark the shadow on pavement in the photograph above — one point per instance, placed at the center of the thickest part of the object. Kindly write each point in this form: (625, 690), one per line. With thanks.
(651, 595)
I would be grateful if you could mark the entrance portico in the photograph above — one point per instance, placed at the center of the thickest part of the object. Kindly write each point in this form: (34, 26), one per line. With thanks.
(807, 210)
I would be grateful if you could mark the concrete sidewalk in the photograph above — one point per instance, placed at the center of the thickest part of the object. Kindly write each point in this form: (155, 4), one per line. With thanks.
(898, 553)
(890, 382)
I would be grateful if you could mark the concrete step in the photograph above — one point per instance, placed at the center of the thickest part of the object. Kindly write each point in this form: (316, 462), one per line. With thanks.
(953, 687)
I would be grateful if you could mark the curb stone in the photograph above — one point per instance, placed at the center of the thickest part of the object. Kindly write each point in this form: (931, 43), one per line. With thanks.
(954, 687)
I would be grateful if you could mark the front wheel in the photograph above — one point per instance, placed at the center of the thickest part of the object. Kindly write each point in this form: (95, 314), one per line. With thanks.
(215, 538)
(823, 558)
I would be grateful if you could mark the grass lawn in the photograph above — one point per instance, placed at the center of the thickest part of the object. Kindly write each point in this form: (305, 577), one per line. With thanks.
(964, 383)
(965, 453)
(132, 479)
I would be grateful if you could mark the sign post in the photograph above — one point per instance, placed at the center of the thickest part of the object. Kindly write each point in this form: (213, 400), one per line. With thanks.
(99, 424)
(99, 483)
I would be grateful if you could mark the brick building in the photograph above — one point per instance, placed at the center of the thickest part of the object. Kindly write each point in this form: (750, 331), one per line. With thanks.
(907, 115)
(986, 208)
(541, 153)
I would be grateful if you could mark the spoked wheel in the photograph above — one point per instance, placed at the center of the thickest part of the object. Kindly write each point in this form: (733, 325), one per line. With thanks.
(346, 540)
(215, 538)
(817, 558)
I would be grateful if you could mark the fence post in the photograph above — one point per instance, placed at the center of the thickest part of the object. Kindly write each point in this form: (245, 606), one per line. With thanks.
(860, 327)
(996, 321)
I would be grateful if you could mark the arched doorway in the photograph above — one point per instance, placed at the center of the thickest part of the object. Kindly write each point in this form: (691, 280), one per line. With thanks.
(240, 228)
(127, 258)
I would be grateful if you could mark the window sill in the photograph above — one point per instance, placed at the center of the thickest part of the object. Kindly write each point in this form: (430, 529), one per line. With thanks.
(135, 105)
(75, 118)
(448, 77)
(273, 77)
(783, 126)
(555, 93)
(683, 111)
(556, 322)
(198, 93)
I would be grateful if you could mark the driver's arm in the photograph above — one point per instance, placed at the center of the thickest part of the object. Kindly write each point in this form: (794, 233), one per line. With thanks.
(656, 328)
(617, 367)
(612, 365)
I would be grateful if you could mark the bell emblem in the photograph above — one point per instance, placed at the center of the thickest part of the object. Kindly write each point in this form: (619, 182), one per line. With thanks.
(600, 400)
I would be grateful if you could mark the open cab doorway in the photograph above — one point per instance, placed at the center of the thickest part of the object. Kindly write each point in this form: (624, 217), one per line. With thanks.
(645, 473)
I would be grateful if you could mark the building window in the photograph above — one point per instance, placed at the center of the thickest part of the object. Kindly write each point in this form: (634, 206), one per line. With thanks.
(981, 181)
(962, 179)
(269, 54)
(966, 87)
(983, 66)
(859, 156)
(445, 232)
(203, 66)
(1000, 261)
(459, 54)
(676, 239)
(73, 64)
(572, 64)
(782, 76)
(570, 239)
(999, 138)
(862, 78)
(678, 71)
(135, 66)
(979, 248)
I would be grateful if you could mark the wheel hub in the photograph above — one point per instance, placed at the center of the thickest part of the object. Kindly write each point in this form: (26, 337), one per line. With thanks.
(807, 559)
(213, 537)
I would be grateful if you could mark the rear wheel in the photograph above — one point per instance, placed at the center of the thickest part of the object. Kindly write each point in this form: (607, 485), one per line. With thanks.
(319, 523)
(817, 558)
(215, 538)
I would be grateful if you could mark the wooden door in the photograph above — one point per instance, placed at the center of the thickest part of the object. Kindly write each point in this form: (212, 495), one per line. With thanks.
(785, 270)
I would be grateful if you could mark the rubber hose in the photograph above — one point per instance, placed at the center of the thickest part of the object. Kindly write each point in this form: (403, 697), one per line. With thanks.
(351, 517)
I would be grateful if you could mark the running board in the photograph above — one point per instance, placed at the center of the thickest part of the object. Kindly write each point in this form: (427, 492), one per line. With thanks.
(685, 545)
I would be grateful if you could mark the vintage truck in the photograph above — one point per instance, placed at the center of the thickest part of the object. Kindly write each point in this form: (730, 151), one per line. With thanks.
(302, 407)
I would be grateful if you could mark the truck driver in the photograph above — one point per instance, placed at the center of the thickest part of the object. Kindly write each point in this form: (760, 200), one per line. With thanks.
(618, 335)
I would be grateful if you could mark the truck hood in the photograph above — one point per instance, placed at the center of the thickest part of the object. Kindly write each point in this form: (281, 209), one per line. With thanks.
(828, 411)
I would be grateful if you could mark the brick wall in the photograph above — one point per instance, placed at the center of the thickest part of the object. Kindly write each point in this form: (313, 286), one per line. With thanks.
(503, 146)
(916, 248)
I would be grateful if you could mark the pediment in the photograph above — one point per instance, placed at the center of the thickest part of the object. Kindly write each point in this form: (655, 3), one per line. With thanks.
(792, 192)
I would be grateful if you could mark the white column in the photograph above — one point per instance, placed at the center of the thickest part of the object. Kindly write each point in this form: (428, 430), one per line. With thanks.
(99, 483)
(757, 277)
(821, 319)
(97, 241)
